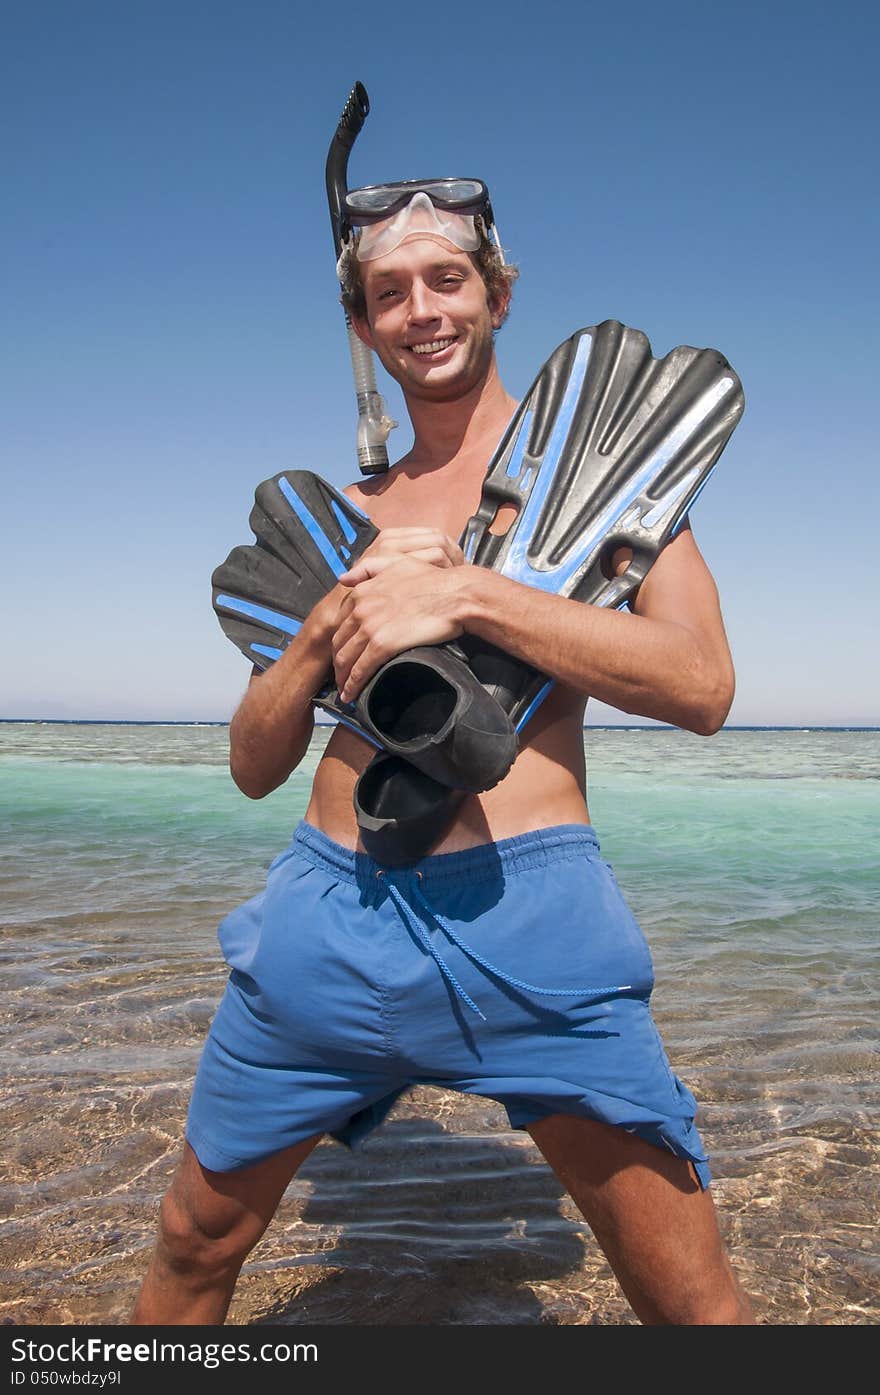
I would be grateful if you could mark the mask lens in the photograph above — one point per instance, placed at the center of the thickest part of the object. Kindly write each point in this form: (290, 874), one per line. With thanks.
(418, 218)
(456, 193)
(372, 202)
(377, 201)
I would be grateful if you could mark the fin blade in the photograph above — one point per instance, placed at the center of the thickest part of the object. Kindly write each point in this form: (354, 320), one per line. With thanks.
(307, 523)
(609, 448)
(307, 534)
(624, 425)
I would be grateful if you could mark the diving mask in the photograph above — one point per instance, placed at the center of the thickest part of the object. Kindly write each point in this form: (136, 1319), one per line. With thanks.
(387, 214)
(418, 218)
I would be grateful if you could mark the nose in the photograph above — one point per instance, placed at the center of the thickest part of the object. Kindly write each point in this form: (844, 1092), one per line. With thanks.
(422, 303)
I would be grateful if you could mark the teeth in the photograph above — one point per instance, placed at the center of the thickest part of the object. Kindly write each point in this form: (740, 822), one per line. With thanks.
(433, 348)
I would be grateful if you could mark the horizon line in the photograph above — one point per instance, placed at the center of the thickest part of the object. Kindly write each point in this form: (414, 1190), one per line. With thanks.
(594, 726)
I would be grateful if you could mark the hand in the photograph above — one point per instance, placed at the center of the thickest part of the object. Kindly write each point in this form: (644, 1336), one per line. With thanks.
(427, 545)
(423, 544)
(400, 603)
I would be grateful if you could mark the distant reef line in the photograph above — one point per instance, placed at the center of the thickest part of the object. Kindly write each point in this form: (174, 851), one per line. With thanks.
(329, 725)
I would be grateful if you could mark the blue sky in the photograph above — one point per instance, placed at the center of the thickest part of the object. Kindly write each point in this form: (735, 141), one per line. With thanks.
(704, 173)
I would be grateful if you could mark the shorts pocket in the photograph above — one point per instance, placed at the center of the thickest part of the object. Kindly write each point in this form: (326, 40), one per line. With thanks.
(623, 926)
(239, 933)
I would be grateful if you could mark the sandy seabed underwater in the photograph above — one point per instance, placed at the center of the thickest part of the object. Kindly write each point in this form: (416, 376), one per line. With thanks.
(753, 864)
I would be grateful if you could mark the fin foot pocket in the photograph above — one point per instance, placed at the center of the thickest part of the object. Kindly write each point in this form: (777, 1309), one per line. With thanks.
(401, 812)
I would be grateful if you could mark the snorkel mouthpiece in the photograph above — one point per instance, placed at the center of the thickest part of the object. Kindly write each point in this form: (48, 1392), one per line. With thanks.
(374, 424)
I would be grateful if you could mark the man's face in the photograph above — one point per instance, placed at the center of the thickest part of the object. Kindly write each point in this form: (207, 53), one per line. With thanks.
(428, 318)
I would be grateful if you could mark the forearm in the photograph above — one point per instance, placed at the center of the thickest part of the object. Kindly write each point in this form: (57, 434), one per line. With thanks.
(645, 666)
(272, 728)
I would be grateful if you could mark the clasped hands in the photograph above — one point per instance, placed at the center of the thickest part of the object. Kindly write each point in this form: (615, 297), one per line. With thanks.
(402, 592)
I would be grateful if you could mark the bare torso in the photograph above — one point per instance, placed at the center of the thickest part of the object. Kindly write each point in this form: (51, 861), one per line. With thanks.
(547, 784)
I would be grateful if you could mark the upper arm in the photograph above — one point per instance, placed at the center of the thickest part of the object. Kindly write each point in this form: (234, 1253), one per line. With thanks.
(681, 590)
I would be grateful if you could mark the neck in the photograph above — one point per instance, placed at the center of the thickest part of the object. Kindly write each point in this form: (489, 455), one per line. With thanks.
(450, 429)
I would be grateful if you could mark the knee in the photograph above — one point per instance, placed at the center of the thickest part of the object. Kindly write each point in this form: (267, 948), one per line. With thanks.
(191, 1244)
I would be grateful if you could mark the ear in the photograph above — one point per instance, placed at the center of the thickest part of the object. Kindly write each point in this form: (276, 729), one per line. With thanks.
(499, 305)
(362, 330)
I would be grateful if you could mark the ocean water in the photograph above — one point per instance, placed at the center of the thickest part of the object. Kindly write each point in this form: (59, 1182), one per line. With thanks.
(752, 861)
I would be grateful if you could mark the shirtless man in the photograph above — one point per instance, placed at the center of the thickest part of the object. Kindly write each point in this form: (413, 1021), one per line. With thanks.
(344, 989)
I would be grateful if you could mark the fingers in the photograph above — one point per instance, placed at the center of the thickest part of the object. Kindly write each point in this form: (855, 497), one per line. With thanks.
(358, 653)
(363, 640)
(369, 567)
(426, 545)
(358, 666)
(393, 609)
(354, 634)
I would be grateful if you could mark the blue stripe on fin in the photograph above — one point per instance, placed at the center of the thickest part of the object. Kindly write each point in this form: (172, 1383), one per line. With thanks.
(514, 464)
(353, 726)
(534, 704)
(516, 564)
(313, 528)
(287, 623)
(348, 529)
(267, 650)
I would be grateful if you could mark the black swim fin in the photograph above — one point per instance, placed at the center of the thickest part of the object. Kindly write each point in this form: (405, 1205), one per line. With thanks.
(401, 812)
(609, 449)
(308, 534)
(426, 706)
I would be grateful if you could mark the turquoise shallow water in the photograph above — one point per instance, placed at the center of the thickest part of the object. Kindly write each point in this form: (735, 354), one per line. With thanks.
(753, 863)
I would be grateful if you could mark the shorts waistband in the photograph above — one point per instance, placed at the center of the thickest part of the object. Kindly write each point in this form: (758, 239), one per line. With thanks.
(540, 848)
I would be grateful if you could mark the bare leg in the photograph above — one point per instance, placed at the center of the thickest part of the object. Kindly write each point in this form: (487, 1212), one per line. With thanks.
(658, 1230)
(209, 1222)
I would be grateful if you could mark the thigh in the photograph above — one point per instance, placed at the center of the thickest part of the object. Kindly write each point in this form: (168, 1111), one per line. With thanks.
(655, 1224)
(237, 1205)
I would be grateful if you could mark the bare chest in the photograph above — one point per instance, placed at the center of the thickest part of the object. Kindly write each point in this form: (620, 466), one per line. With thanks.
(425, 502)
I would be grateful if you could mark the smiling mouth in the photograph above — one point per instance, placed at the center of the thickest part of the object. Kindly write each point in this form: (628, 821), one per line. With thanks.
(435, 346)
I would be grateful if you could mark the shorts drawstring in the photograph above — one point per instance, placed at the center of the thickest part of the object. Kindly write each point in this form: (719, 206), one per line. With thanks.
(411, 921)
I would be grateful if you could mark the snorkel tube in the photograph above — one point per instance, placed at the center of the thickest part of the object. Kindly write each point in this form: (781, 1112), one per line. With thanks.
(374, 424)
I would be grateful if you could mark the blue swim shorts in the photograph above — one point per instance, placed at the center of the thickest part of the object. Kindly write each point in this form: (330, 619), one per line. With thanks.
(513, 970)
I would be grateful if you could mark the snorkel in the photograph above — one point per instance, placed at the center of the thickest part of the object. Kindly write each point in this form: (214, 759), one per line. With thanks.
(374, 424)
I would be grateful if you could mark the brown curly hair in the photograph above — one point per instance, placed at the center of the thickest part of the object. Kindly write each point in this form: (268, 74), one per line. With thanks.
(498, 276)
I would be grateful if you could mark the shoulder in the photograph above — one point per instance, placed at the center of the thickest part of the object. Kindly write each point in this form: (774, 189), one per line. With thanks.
(380, 497)
(679, 583)
(367, 490)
